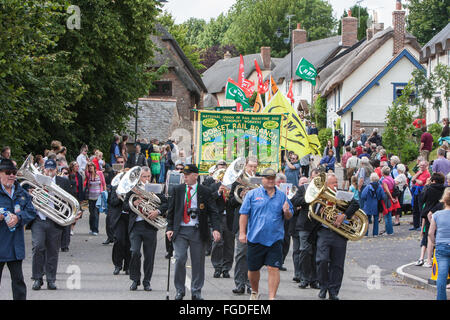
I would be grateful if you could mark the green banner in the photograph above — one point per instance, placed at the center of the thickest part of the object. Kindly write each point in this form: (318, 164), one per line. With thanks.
(306, 71)
(229, 135)
(233, 92)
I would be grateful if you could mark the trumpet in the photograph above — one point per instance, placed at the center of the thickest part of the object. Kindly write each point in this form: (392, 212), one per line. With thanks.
(47, 197)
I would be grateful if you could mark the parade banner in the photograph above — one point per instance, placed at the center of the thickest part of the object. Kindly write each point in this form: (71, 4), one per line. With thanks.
(293, 134)
(228, 135)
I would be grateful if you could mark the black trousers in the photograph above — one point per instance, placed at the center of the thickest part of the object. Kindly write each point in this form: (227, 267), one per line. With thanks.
(108, 228)
(46, 242)
(143, 235)
(330, 258)
(65, 237)
(121, 253)
(19, 289)
(307, 259)
(286, 240)
(416, 212)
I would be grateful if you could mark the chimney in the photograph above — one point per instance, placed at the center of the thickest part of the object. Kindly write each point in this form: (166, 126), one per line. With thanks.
(298, 35)
(227, 55)
(349, 30)
(398, 23)
(377, 27)
(265, 57)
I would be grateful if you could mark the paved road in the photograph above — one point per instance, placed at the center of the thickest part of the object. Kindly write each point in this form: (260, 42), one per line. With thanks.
(92, 260)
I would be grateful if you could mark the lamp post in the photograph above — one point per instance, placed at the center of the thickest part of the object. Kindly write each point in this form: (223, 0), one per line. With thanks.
(288, 40)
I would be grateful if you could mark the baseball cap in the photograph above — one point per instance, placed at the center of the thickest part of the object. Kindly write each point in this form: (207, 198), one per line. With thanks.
(269, 172)
(50, 164)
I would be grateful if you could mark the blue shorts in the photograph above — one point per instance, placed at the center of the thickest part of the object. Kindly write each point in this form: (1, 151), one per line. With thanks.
(259, 255)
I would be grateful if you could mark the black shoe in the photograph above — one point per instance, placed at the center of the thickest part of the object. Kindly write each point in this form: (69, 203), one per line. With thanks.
(295, 279)
(134, 285)
(238, 290)
(225, 274)
(322, 294)
(333, 297)
(147, 287)
(303, 285)
(64, 249)
(127, 272)
(108, 241)
(283, 268)
(197, 297)
(249, 290)
(168, 256)
(51, 285)
(217, 274)
(37, 284)
(179, 296)
(208, 253)
(117, 271)
(314, 285)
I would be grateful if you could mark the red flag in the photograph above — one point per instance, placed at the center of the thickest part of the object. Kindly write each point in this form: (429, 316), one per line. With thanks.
(241, 77)
(266, 86)
(261, 87)
(290, 94)
(248, 86)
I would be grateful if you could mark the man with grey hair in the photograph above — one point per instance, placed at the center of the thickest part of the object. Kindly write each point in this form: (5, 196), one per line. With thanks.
(375, 137)
(441, 164)
(332, 247)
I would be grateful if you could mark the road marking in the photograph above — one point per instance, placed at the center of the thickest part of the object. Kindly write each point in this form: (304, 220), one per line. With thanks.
(404, 274)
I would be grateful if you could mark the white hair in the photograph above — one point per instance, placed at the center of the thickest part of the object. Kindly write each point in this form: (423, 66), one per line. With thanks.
(395, 159)
(365, 160)
(374, 177)
(401, 168)
(280, 176)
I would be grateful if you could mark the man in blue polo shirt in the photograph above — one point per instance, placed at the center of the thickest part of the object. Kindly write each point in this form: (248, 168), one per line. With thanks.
(261, 225)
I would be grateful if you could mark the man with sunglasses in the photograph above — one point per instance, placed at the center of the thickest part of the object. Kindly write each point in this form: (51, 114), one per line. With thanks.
(15, 200)
(46, 236)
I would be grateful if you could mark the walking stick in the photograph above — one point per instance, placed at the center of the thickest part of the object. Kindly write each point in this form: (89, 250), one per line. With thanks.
(168, 273)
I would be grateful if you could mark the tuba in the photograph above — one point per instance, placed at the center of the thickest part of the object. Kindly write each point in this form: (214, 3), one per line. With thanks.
(318, 193)
(236, 172)
(50, 199)
(130, 181)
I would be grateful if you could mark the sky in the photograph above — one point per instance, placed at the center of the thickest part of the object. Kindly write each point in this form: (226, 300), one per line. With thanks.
(182, 10)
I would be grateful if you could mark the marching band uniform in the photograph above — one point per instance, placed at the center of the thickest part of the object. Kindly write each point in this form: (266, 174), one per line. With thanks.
(121, 254)
(142, 233)
(192, 233)
(222, 251)
(330, 258)
(46, 240)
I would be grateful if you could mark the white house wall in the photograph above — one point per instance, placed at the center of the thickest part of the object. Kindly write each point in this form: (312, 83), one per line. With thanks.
(433, 115)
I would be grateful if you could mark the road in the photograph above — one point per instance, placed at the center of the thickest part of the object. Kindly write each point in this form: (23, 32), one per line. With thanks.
(85, 272)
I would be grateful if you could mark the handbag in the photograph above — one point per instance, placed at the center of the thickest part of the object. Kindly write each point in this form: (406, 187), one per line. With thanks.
(407, 196)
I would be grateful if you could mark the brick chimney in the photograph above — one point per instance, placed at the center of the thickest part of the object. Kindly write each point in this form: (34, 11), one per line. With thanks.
(398, 23)
(227, 55)
(298, 35)
(349, 30)
(265, 57)
(369, 34)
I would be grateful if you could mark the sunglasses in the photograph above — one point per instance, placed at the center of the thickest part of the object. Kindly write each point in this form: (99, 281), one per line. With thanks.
(10, 172)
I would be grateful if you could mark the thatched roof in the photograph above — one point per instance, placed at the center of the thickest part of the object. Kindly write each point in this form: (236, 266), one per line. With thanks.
(184, 70)
(316, 52)
(215, 78)
(335, 73)
(437, 44)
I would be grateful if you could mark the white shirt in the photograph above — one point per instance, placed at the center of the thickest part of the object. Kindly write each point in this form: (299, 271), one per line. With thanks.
(82, 162)
(192, 222)
(41, 215)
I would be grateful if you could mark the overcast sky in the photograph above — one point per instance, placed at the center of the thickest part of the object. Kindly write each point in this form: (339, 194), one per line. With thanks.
(182, 10)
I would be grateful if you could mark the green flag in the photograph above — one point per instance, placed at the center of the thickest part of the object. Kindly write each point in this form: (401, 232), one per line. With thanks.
(234, 92)
(306, 71)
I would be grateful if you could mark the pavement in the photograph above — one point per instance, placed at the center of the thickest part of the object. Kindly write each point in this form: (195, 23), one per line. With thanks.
(371, 272)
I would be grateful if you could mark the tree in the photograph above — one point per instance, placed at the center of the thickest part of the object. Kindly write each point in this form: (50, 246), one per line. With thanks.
(195, 27)
(254, 23)
(214, 31)
(319, 112)
(426, 18)
(38, 83)
(182, 34)
(399, 128)
(213, 54)
(363, 15)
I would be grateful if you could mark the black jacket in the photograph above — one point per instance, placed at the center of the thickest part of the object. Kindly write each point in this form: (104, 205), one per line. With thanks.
(222, 204)
(126, 207)
(304, 223)
(132, 162)
(114, 207)
(234, 207)
(432, 194)
(206, 204)
(79, 192)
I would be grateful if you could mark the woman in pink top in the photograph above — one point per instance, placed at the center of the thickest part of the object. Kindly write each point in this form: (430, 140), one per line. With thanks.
(390, 203)
(95, 184)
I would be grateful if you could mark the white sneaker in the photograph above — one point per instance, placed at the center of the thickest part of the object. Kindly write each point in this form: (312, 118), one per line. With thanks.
(427, 265)
(254, 295)
(71, 232)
